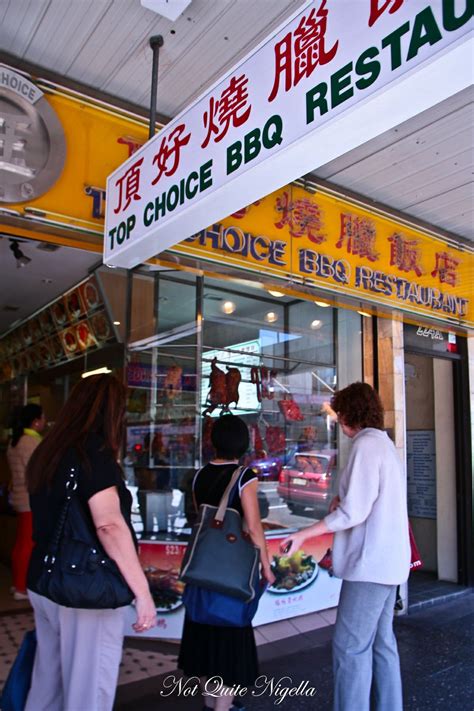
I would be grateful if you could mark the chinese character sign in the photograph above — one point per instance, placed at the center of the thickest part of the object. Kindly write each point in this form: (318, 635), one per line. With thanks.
(328, 242)
(268, 121)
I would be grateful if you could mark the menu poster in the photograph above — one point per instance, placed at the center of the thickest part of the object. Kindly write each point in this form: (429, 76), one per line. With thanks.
(36, 330)
(74, 305)
(59, 311)
(44, 353)
(421, 473)
(26, 335)
(90, 295)
(56, 347)
(46, 320)
(161, 562)
(101, 327)
(304, 581)
(69, 340)
(84, 336)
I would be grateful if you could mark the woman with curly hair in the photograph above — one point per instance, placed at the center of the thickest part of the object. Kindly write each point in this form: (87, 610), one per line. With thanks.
(371, 553)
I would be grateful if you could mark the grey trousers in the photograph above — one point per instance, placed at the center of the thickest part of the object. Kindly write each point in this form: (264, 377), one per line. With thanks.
(365, 649)
(77, 659)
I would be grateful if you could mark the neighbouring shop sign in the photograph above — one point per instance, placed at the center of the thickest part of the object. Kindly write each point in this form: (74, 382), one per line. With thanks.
(318, 239)
(261, 126)
(31, 138)
(45, 129)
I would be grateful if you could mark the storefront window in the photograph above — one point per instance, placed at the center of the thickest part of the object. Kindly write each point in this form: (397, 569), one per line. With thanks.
(230, 346)
(162, 418)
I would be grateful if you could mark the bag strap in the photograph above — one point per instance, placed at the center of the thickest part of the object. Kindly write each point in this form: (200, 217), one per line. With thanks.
(224, 502)
(71, 486)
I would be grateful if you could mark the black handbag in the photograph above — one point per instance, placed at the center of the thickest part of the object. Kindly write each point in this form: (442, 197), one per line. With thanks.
(221, 555)
(76, 571)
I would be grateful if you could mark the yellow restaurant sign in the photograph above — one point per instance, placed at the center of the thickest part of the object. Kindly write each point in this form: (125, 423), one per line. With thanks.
(315, 239)
(322, 240)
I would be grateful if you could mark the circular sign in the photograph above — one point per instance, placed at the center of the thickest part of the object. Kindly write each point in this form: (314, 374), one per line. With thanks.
(32, 139)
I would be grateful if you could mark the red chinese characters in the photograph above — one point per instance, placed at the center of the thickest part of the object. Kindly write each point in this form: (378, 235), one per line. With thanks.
(303, 217)
(133, 144)
(128, 186)
(169, 152)
(377, 8)
(445, 269)
(298, 54)
(231, 108)
(358, 236)
(405, 254)
(241, 213)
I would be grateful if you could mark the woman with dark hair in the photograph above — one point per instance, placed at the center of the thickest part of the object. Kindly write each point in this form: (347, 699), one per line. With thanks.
(26, 436)
(79, 651)
(228, 653)
(371, 553)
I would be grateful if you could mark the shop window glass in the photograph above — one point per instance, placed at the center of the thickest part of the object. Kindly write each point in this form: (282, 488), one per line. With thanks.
(281, 351)
(161, 445)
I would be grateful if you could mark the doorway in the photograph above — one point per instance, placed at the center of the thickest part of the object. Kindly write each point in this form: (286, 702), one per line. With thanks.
(431, 470)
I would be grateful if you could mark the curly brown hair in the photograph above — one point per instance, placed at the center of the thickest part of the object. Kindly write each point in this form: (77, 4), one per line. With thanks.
(359, 405)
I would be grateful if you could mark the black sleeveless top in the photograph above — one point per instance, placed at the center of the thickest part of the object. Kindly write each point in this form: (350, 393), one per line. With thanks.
(210, 483)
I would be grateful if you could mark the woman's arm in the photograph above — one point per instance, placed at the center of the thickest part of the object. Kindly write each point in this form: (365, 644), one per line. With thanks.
(251, 509)
(115, 536)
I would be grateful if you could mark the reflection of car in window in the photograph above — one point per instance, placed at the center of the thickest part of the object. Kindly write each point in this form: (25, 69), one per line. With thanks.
(308, 482)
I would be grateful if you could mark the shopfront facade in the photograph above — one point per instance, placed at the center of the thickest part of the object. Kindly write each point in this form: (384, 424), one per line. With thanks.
(264, 315)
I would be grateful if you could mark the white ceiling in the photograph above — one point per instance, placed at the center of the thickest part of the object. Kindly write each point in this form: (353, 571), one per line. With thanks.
(48, 275)
(424, 167)
(104, 43)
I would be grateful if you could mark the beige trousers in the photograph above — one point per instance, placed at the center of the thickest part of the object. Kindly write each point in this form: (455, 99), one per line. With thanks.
(77, 659)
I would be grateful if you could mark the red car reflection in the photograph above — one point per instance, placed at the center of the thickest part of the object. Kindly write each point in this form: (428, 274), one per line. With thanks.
(309, 482)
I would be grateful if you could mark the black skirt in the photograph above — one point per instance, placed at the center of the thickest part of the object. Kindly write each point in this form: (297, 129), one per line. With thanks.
(227, 652)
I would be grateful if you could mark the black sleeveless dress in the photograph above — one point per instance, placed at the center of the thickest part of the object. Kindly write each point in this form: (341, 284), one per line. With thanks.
(208, 650)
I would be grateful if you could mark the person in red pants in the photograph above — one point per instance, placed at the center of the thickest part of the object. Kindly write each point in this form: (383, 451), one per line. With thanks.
(25, 438)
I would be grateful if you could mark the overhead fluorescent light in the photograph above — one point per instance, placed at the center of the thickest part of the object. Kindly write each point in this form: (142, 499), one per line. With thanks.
(365, 314)
(97, 371)
(171, 9)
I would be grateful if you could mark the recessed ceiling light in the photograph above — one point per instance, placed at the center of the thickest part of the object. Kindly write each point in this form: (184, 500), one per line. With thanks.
(322, 304)
(116, 323)
(365, 314)
(276, 293)
(316, 324)
(228, 307)
(271, 317)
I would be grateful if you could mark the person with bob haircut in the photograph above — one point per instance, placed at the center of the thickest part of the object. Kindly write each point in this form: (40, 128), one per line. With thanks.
(216, 651)
(371, 553)
(79, 651)
(26, 436)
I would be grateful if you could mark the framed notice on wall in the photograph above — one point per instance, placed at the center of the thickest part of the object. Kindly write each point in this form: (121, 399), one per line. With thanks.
(421, 471)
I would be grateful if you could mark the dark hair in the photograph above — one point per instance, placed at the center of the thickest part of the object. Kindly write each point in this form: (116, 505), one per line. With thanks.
(96, 404)
(27, 415)
(230, 437)
(359, 405)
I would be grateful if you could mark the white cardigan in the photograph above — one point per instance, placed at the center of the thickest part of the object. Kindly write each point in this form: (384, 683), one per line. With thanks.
(371, 541)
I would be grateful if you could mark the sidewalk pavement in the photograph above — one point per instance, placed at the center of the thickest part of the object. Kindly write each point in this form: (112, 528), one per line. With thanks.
(436, 647)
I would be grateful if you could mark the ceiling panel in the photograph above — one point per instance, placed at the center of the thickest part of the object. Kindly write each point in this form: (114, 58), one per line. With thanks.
(24, 288)
(424, 167)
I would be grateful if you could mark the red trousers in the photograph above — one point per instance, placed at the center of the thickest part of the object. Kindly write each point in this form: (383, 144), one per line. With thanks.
(22, 550)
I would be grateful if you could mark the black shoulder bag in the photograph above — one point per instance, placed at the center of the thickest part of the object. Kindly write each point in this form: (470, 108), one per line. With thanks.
(76, 571)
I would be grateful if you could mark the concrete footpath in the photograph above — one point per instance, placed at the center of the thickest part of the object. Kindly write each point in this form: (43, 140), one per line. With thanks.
(436, 647)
